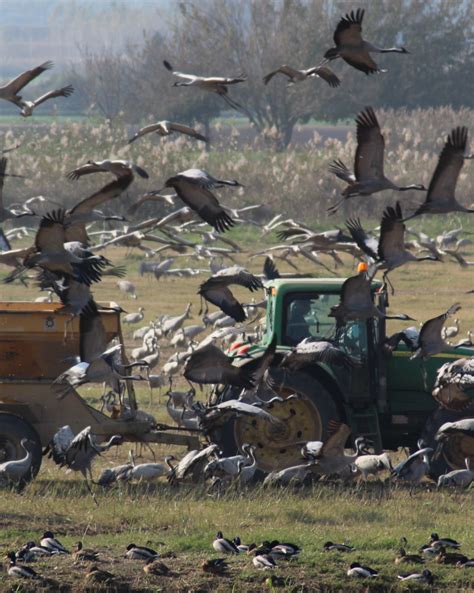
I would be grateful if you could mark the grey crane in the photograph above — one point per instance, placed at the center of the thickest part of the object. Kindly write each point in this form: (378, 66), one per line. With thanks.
(54, 253)
(77, 452)
(105, 367)
(166, 128)
(230, 466)
(441, 191)
(352, 48)
(96, 364)
(212, 84)
(295, 75)
(390, 252)
(15, 470)
(133, 318)
(111, 475)
(371, 464)
(459, 478)
(216, 415)
(192, 464)
(430, 341)
(415, 467)
(295, 473)
(119, 168)
(193, 187)
(216, 290)
(10, 91)
(209, 365)
(368, 177)
(329, 457)
(127, 287)
(174, 323)
(357, 302)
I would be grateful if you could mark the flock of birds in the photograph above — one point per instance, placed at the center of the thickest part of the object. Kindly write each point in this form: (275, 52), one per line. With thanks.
(265, 556)
(66, 259)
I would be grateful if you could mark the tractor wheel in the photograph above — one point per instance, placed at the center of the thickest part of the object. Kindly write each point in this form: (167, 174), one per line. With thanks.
(306, 417)
(455, 450)
(12, 430)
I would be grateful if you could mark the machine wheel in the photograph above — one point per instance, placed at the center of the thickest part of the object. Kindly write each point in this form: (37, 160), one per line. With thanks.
(306, 418)
(455, 450)
(12, 430)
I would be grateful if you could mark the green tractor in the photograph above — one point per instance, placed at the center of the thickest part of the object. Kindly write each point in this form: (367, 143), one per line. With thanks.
(386, 398)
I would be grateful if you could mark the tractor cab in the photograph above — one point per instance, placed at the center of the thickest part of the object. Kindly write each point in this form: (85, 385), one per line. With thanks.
(384, 397)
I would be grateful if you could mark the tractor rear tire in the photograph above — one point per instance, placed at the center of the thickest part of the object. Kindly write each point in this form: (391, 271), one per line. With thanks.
(307, 418)
(12, 430)
(452, 455)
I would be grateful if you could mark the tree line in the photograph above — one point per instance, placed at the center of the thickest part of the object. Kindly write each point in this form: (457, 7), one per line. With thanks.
(231, 37)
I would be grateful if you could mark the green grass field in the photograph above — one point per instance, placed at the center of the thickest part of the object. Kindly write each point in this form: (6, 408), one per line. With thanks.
(184, 520)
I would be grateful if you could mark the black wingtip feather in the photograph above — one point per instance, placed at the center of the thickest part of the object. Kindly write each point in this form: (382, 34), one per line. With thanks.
(167, 65)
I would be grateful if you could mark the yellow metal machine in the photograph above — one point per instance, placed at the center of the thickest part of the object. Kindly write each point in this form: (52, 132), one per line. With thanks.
(37, 343)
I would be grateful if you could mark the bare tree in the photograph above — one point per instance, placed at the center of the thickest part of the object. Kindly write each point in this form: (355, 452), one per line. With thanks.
(104, 78)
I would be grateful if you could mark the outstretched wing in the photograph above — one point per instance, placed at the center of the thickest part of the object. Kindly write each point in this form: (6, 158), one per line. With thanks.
(334, 446)
(51, 235)
(205, 204)
(431, 329)
(369, 245)
(392, 233)
(15, 85)
(369, 156)
(59, 444)
(217, 294)
(64, 92)
(187, 130)
(349, 29)
(450, 162)
(326, 74)
(108, 192)
(287, 70)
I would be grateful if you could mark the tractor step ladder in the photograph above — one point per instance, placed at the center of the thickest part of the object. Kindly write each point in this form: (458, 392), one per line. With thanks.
(365, 423)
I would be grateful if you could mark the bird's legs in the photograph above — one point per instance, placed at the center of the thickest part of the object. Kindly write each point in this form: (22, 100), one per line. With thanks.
(386, 282)
(334, 208)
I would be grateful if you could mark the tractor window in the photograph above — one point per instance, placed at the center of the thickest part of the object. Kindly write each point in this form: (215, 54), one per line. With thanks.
(307, 316)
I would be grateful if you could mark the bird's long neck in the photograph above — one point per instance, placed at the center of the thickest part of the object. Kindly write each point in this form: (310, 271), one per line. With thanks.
(412, 186)
(28, 455)
(390, 50)
(107, 445)
(168, 463)
(427, 258)
(252, 457)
